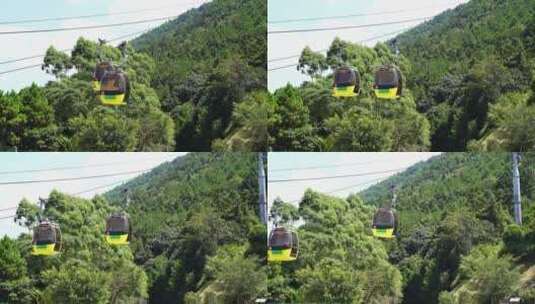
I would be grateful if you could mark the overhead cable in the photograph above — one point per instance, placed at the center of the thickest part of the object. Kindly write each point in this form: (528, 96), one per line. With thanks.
(79, 166)
(356, 15)
(325, 50)
(89, 16)
(22, 182)
(334, 176)
(321, 29)
(63, 29)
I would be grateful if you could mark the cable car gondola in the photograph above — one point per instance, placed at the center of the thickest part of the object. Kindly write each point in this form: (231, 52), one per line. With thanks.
(388, 82)
(46, 239)
(114, 88)
(384, 223)
(100, 70)
(346, 82)
(117, 230)
(283, 245)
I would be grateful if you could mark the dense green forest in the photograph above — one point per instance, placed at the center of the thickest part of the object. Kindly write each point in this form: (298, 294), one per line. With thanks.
(457, 239)
(198, 83)
(470, 79)
(197, 238)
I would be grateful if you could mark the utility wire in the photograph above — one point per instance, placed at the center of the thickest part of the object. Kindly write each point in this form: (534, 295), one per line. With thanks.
(70, 178)
(90, 16)
(356, 15)
(103, 186)
(33, 66)
(317, 167)
(81, 192)
(68, 50)
(64, 50)
(344, 188)
(275, 69)
(321, 29)
(325, 50)
(63, 29)
(80, 166)
(333, 176)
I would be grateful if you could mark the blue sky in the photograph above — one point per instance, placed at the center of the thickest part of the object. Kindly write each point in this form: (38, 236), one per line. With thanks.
(17, 46)
(341, 163)
(11, 195)
(292, 44)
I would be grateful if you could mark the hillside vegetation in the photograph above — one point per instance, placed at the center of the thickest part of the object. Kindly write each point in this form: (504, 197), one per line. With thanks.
(455, 222)
(197, 84)
(196, 239)
(457, 241)
(470, 79)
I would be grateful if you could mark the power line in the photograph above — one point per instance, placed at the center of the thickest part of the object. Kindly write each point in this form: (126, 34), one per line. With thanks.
(333, 176)
(81, 192)
(89, 16)
(321, 29)
(103, 186)
(68, 50)
(325, 50)
(355, 15)
(343, 188)
(86, 27)
(317, 167)
(20, 69)
(78, 167)
(277, 68)
(7, 217)
(64, 50)
(70, 178)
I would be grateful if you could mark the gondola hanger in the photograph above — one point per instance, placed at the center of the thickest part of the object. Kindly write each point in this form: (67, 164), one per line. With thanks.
(346, 82)
(385, 221)
(109, 80)
(283, 245)
(46, 240)
(118, 228)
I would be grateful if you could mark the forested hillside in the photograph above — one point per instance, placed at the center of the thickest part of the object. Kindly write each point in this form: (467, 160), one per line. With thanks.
(469, 74)
(473, 74)
(456, 221)
(309, 118)
(197, 84)
(457, 241)
(197, 238)
(339, 261)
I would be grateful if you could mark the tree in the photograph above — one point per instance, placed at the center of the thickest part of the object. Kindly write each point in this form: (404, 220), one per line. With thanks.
(291, 129)
(490, 277)
(241, 278)
(104, 130)
(312, 63)
(14, 281)
(76, 282)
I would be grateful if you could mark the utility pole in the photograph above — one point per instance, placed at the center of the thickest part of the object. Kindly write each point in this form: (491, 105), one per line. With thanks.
(394, 196)
(262, 201)
(516, 189)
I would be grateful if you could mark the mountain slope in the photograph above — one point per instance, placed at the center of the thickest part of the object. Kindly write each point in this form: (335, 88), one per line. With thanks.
(196, 235)
(456, 215)
(469, 86)
(464, 61)
(207, 60)
(188, 216)
(196, 84)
